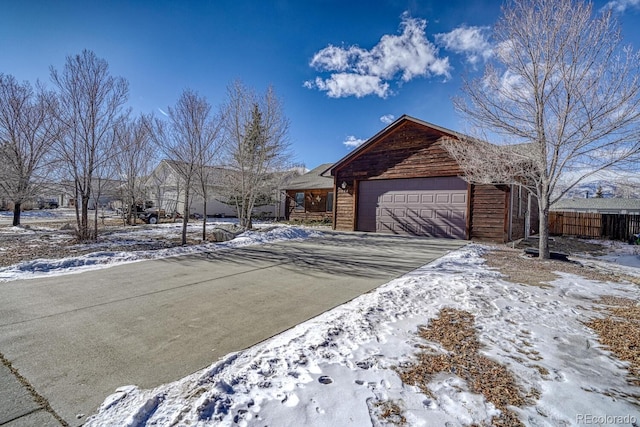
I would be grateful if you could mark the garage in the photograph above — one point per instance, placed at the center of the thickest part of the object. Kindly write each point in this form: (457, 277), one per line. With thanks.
(434, 207)
(404, 181)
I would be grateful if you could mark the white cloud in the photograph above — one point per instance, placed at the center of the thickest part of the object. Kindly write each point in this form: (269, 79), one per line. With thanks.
(359, 72)
(387, 118)
(353, 142)
(341, 85)
(162, 112)
(469, 41)
(621, 6)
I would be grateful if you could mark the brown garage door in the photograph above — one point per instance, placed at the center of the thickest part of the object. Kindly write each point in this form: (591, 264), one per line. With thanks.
(435, 207)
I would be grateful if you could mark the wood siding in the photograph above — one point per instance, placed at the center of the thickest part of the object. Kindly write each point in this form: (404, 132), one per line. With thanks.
(345, 209)
(409, 151)
(415, 150)
(519, 206)
(488, 212)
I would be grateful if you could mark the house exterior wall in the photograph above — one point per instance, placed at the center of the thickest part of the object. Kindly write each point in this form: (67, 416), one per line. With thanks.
(488, 217)
(317, 205)
(519, 209)
(413, 150)
(166, 191)
(409, 151)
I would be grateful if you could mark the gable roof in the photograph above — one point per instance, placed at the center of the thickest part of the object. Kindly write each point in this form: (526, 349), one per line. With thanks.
(597, 204)
(403, 119)
(312, 180)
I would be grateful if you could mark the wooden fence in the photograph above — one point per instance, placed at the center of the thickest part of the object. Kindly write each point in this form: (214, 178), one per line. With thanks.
(593, 225)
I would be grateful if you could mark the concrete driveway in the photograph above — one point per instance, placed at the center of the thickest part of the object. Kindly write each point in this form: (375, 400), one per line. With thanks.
(74, 339)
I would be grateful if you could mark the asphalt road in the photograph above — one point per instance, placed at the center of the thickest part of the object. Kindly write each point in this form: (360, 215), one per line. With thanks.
(76, 338)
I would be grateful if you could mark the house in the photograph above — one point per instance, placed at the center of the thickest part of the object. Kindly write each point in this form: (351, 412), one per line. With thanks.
(403, 181)
(309, 197)
(166, 191)
(598, 205)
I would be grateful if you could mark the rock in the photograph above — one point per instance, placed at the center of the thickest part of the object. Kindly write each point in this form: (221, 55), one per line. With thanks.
(222, 235)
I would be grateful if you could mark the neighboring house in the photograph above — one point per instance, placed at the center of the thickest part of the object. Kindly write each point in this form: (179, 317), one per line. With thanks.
(165, 189)
(598, 205)
(402, 181)
(64, 193)
(310, 196)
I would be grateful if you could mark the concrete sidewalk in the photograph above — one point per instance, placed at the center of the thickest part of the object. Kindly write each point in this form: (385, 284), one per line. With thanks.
(18, 407)
(76, 338)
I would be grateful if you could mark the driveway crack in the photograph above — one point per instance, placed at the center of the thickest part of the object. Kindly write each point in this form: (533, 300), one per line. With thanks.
(37, 397)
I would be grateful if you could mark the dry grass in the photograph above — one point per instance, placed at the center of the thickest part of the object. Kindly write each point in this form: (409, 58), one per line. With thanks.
(454, 331)
(518, 268)
(53, 241)
(619, 331)
(391, 412)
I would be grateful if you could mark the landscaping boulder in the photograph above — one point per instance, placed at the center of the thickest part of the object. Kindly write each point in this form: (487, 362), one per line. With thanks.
(220, 234)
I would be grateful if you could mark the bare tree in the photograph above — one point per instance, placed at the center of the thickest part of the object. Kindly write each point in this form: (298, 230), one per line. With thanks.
(256, 146)
(560, 98)
(209, 152)
(134, 158)
(26, 135)
(90, 103)
(188, 138)
(626, 188)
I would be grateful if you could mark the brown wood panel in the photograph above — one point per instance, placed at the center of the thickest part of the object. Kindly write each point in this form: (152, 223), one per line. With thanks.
(409, 151)
(345, 219)
(413, 150)
(488, 213)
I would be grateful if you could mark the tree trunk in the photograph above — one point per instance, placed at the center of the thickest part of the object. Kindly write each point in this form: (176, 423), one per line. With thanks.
(204, 221)
(94, 232)
(185, 217)
(84, 219)
(17, 208)
(132, 212)
(543, 245)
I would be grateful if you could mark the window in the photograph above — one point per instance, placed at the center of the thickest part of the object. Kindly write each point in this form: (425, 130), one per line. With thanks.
(299, 202)
(330, 201)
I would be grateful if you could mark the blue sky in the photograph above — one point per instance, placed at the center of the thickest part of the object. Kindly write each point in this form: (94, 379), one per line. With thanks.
(342, 68)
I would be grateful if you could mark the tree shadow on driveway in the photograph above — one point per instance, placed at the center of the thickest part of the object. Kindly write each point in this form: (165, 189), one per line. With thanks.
(374, 256)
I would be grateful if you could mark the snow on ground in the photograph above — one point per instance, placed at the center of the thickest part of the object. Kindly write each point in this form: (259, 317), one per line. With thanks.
(132, 236)
(335, 369)
(621, 253)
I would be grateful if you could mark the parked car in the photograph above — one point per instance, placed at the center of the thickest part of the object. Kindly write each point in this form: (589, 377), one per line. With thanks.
(48, 204)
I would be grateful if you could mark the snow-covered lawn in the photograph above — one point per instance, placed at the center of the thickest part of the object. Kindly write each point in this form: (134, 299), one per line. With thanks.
(343, 367)
(100, 256)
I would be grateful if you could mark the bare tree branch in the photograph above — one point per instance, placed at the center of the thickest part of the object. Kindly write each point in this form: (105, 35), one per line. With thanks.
(561, 99)
(134, 158)
(90, 107)
(27, 132)
(189, 140)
